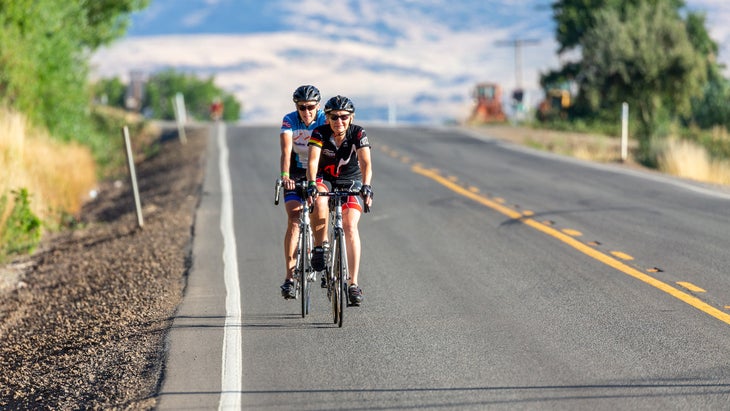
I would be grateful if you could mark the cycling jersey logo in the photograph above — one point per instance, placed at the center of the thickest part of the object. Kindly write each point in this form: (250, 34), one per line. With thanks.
(364, 141)
(302, 138)
(327, 152)
(330, 169)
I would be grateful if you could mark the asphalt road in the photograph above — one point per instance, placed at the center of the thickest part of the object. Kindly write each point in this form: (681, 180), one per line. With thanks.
(495, 277)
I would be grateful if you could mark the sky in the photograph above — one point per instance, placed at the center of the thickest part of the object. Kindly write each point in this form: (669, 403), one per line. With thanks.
(416, 61)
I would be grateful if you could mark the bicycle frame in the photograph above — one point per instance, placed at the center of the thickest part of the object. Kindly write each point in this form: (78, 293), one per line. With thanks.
(303, 271)
(337, 269)
(337, 231)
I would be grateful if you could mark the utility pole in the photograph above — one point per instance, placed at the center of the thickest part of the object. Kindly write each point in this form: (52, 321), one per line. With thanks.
(517, 45)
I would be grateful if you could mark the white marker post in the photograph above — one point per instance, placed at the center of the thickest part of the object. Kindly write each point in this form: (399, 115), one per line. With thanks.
(178, 105)
(391, 113)
(624, 131)
(133, 175)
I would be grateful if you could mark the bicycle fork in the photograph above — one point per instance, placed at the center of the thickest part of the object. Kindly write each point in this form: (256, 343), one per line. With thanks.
(340, 238)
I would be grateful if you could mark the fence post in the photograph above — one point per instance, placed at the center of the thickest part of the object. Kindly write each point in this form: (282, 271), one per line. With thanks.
(178, 105)
(133, 175)
(624, 131)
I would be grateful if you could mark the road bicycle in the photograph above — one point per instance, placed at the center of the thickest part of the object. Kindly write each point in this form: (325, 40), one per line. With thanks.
(336, 272)
(303, 274)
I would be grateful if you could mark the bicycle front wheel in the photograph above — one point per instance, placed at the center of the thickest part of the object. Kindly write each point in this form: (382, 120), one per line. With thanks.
(336, 281)
(304, 268)
(340, 271)
(342, 275)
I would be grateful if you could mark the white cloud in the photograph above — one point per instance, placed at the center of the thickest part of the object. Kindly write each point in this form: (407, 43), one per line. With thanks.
(196, 18)
(342, 54)
(412, 67)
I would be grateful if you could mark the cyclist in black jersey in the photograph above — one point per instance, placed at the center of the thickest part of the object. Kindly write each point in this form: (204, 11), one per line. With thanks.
(340, 152)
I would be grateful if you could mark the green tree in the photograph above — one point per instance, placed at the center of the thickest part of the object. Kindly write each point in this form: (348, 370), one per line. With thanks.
(648, 62)
(199, 94)
(641, 51)
(574, 18)
(44, 50)
(232, 109)
(107, 20)
(711, 108)
(110, 91)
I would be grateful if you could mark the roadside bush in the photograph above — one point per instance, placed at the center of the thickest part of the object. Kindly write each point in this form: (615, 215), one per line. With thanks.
(107, 144)
(583, 125)
(21, 230)
(716, 140)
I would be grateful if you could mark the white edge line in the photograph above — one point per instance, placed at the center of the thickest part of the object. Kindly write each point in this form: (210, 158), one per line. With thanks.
(231, 364)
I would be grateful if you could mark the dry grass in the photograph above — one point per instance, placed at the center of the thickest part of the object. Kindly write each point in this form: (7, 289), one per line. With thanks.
(677, 157)
(58, 175)
(593, 147)
(689, 160)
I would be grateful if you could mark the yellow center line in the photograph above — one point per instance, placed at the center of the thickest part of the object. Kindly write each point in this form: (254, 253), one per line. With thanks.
(622, 255)
(691, 287)
(571, 232)
(585, 249)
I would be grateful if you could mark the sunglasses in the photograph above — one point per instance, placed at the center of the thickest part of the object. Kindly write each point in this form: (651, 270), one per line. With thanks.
(307, 108)
(343, 117)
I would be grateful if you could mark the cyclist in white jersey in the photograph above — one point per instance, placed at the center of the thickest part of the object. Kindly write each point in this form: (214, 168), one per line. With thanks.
(296, 129)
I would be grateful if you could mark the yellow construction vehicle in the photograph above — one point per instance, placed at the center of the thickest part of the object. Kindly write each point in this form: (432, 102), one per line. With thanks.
(555, 105)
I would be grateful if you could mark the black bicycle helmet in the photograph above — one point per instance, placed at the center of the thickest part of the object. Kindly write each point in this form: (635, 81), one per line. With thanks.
(339, 103)
(306, 93)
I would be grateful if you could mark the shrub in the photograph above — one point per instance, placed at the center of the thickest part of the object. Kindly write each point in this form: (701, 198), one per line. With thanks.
(22, 230)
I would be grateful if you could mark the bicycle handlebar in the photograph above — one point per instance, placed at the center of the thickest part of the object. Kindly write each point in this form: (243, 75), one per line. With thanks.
(277, 190)
(300, 185)
(338, 193)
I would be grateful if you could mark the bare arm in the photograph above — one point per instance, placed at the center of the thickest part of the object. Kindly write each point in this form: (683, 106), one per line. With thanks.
(286, 143)
(313, 163)
(363, 157)
(366, 168)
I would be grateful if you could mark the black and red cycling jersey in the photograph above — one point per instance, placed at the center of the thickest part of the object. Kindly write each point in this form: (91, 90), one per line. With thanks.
(339, 162)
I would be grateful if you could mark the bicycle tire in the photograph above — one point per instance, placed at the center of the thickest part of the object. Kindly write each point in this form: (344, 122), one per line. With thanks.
(342, 274)
(335, 283)
(302, 268)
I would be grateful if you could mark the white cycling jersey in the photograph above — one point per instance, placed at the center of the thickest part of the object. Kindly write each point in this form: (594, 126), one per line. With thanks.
(300, 133)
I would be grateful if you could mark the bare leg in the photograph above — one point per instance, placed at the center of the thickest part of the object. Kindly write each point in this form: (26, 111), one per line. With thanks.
(292, 236)
(319, 217)
(350, 219)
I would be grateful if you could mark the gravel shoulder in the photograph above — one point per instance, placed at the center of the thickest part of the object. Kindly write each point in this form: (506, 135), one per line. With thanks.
(83, 321)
